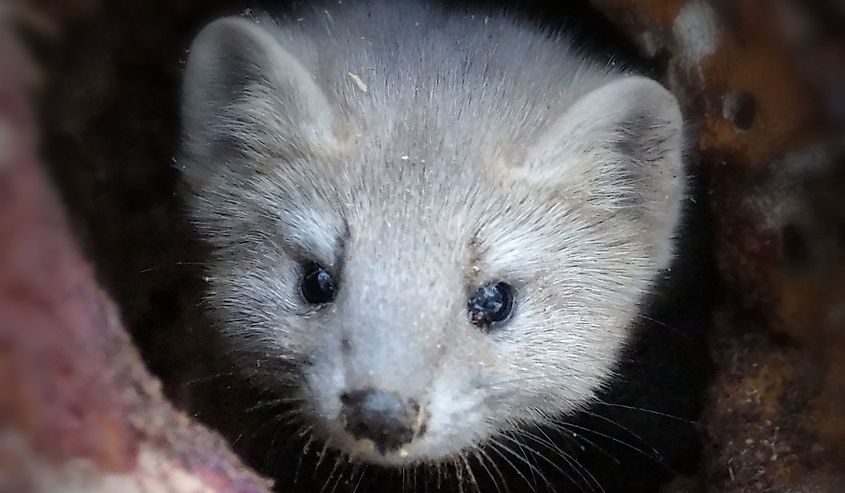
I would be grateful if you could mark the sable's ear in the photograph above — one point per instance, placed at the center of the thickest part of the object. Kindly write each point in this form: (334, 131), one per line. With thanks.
(243, 91)
(619, 148)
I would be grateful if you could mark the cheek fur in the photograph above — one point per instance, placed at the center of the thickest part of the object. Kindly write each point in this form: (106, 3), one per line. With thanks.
(324, 384)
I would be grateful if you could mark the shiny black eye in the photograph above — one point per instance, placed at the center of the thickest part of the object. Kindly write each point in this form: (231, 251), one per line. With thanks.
(491, 305)
(317, 284)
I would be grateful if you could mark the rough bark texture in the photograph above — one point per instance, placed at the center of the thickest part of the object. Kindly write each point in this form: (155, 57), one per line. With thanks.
(764, 82)
(761, 80)
(78, 409)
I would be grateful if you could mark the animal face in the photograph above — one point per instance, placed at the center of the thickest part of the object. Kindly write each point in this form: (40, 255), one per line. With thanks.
(420, 279)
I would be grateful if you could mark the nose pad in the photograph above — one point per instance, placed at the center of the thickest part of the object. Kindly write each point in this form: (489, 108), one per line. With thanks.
(383, 417)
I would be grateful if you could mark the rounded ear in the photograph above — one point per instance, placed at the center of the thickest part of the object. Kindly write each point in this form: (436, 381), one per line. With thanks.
(618, 148)
(245, 94)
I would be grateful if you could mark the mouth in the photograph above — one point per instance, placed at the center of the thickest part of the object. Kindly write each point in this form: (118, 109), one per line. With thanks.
(382, 425)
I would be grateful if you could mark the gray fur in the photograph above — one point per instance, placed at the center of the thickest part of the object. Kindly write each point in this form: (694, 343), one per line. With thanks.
(481, 150)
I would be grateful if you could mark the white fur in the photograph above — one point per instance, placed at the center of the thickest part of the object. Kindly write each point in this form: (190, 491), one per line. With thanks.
(482, 150)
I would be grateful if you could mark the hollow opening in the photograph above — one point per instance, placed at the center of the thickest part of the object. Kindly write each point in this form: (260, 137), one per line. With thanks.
(111, 134)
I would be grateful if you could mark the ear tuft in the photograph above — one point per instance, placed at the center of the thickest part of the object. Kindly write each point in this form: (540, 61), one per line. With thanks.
(245, 94)
(618, 148)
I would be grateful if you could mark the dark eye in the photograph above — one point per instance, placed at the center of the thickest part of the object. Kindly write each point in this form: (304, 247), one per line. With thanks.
(317, 284)
(490, 305)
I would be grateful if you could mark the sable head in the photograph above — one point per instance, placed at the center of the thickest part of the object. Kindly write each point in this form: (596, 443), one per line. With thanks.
(419, 286)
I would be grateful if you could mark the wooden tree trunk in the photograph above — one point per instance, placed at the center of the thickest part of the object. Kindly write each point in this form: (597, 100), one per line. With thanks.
(763, 82)
(79, 412)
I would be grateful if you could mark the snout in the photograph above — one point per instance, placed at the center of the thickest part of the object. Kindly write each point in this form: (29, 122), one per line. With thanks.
(387, 419)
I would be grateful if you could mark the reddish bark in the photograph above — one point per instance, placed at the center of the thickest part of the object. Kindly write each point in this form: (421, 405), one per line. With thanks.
(760, 80)
(78, 409)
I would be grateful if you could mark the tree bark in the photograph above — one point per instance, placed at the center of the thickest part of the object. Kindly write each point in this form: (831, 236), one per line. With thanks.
(79, 411)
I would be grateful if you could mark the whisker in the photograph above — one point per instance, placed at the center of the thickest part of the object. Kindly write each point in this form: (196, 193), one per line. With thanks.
(331, 475)
(570, 460)
(305, 450)
(542, 456)
(439, 475)
(173, 264)
(657, 459)
(575, 437)
(458, 475)
(644, 410)
(207, 378)
(323, 454)
(629, 431)
(470, 474)
(521, 447)
(498, 449)
(360, 478)
(273, 402)
(481, 455)
(340, 460)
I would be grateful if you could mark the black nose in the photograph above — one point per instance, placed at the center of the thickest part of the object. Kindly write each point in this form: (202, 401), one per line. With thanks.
(383, 417)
